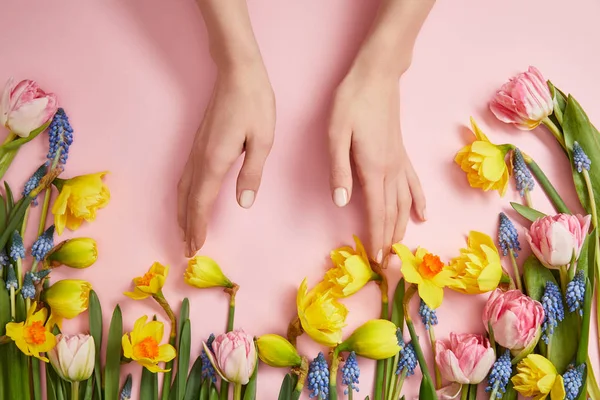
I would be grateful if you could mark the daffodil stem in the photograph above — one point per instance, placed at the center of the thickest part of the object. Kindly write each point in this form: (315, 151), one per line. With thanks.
(231, 315)
(464, 394)
(516, 272)
(555, 131)
(74, 390)
(335, 363)
(391, 385)
(162, 301)
(553, 196)
(398, 384)
(302, 374)
(436, 368)
(13, 312)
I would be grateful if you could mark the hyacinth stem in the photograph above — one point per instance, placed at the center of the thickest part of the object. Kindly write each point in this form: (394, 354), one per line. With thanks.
(513, 261)
(555, 131)
(19, 271)
(398, 384)
(335, 363)
(494, 393)
(350, 393)
(544, 182)
(13, 311)
(75, 390)
(528, 201)
(391, 385)
(436, 368)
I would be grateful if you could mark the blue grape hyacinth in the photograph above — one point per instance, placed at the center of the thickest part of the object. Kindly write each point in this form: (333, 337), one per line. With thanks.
(407, 360)
(554, 311)
(28, 289)
(44, 243)
(33, 182)
(61, 138)
(428, 316)
(575, 293)
(207, 370)
(318, 378)
(499, 375)
(11, 279)
(350, 373)
(580, 159)
(126, 390)
(508, 237)
(17, 249)
(573, 380)
(523, 176)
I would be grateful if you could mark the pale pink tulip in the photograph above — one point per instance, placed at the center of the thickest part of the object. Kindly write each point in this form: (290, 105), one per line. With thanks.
(556, 239)
(515, 319)
(73, 357)
(464, 358)
(25, 107)
(234, 356)
(524, 101)
(448, 392)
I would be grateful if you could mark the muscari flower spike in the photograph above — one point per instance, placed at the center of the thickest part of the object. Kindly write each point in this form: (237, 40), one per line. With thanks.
(33, 182)
(350, 373)
(126, 390)
(17, 250)
(573, 380)
(575, 293)
(11, 279)
(407, 360)
(554, 311)
(4, 259)
(318, 378)
(428, 316)
(523, 176)
(61, 137)
(207, 372)
(580, 159)
(500, 374)
(38, 276)
(210, 341)
(28, 289)
(508, 238)
(43, 244)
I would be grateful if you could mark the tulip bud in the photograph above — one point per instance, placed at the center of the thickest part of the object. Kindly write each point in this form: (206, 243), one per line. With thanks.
(233, 356)
(75, 253)
(276, 351)
(73, 357)
(375, 339)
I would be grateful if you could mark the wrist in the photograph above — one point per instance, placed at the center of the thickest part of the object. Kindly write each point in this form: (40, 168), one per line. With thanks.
(380, 55)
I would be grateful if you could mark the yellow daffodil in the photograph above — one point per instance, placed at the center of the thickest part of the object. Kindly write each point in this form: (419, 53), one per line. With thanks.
(78, 200)
(537, 377)
(203, 272)
(150, 284)
(277, 351)
(484, 163)
(321, 315)
(478, 267)
(67, 298)
(75, 253)
(142, 345)
(375, 339)
(32, 336)
(428, 272)
(351, 270)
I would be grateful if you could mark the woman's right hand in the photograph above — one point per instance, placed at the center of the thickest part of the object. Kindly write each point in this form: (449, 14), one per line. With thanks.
(240, 117)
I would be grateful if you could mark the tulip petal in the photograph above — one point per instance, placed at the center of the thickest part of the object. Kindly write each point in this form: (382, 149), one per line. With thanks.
(211, 358)
(29, 116)
(482, 367)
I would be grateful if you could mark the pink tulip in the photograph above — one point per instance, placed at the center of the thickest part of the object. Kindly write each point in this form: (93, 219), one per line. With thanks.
(25, 107)
(556, 239)
(524, 101)
(233, 355)
(73, 357)
(514, 318)
(449, 392)
(465, 358)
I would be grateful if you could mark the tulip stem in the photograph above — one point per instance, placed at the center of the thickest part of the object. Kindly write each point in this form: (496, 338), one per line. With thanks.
(74, 390)
(551, 193)
(231, 316)
(564, 278)
(436, 368)
(464, 394)
(555, 131)
(513, 261)
(335, 362)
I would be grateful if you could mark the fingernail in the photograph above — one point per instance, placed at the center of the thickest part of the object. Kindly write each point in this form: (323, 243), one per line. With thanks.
(192, 248)
(247, 198)
(340, 197)
(379, 257)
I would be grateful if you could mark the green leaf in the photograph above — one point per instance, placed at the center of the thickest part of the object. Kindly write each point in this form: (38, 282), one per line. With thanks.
(21, 311)
(250, 389)
(184, 314)
(214, 394)
(511, 393)
(113, 355)
(10, 199)
(95, 321)
(148, 385)
(578, 128)
(426, 391)
(582, 351)
(3, 213)
(15, 220)
(35, 378)
(4, 306)
(194, 381)
(183, 359)
(527, 212)
(205, 390)
(535, 276)
(89, 388)
(17, 143)
(285, 392)
(397, 305)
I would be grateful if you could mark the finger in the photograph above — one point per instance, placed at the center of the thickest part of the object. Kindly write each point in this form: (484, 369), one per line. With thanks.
(404, 204)
(391, 215)
(183, 191)
(375, 202)
(204, 189)
(340, 170)
(251, 172)
(416, 191)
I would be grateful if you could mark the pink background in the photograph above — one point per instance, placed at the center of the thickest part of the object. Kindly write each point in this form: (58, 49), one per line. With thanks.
(134, 77)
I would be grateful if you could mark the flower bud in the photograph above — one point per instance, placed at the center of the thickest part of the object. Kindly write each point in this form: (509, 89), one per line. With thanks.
(203, 272)
(375, 339)
(73, 357)
(276, 351)
(75, 253)
(67, 298)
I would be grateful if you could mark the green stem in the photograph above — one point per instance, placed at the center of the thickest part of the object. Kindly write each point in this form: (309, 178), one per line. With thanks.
(9, 138)
(553, 196)
(398, 384)
(494, 392)
(160, 299)
(6, 159)
(592, 384)
(74, 390)
(19, 271)
(555, 131)
(564, 278)
(528, 201)
(350, 394)
(380, 366)
(224, 389)
(516, 270)
(237, 391)
(13, 312)
(392, 383)
(335, 362)
(464, 394)
(436, 368)
(590, 190)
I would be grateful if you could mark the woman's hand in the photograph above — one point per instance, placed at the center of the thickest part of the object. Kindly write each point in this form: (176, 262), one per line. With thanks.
(365, 126)
(239, 118)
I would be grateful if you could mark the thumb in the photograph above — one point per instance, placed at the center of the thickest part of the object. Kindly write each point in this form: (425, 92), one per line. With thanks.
(341, 171)
(251, 172)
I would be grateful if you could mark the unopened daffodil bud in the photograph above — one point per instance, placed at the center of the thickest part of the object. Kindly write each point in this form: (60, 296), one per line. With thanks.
(375, 339)
(276, 351)
(75, 253)
(67, 298)
(203, 272)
